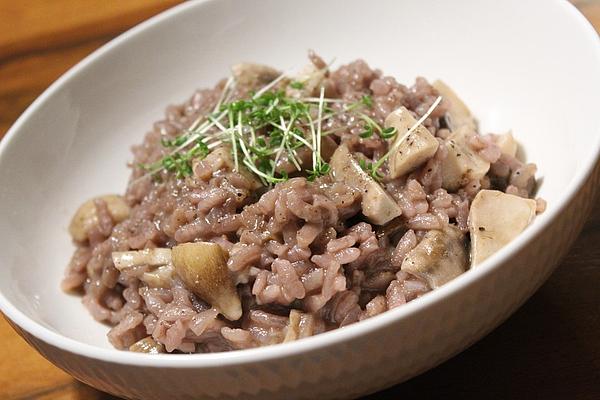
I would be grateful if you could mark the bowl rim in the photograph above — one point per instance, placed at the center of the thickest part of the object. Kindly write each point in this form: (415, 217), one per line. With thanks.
(209, 360)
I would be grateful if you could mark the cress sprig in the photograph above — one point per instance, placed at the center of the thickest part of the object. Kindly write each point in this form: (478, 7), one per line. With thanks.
(261, 131)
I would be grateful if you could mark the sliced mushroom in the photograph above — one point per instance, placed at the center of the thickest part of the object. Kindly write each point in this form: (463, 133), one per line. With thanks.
(507, 144)
(496, 218)
(300, 325)
(392, 228)
(147, 345)
(203, 268)
(252, 75)
(221, 158)
(304, 156)
(161, 277)
(86, 216)
(462, 164)
(377, 204)
(310, 79)
(414, 149)
(440, 257)
(151, 257)
(458, 118)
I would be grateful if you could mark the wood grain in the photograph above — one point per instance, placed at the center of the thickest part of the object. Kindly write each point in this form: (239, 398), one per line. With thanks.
(548, 349)
(40, 40)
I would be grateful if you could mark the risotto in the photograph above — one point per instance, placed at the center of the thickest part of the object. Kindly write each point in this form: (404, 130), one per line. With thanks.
(274, 207)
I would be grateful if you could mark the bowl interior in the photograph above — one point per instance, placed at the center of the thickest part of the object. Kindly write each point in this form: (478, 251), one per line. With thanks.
(537, 76)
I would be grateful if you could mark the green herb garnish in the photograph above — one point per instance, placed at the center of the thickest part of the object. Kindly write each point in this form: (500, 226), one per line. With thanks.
(321, 170)
(388, 133)
(367, 101)
(367, 133)
(370, 169)
(264, 131)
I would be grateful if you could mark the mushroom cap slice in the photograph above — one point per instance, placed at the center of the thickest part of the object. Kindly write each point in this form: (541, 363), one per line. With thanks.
(86, 217)
(253, 75)
(147, 345)
(461, 164)
(439, 257)
(203, 268)
(414, 149)
(496, 218)
(304, 156)
(458, 117)
(377, 205)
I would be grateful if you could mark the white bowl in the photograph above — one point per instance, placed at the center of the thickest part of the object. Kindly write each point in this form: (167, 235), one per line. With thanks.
(530, 66)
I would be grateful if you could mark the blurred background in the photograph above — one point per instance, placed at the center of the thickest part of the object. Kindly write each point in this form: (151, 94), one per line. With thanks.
(549, 349)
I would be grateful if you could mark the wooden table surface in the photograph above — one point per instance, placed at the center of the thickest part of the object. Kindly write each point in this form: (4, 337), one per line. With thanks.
(549, 349)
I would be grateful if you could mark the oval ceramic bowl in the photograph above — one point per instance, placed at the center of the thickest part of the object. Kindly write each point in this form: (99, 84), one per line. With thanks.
(537, 75)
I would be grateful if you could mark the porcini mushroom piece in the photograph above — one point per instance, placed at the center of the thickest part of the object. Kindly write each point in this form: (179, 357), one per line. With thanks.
(86, 216)
(151, 257)
(293, 326)
(221, 158)
(438, 258)
(496, 218)
(377, 205)
(203, 268)
(253, 75)
(304, 156)
(300, 325)
(147, 345)
(309, 80)
(458, 117)
(462, 164)
(414, 149)
(392, 228)
(160, 277)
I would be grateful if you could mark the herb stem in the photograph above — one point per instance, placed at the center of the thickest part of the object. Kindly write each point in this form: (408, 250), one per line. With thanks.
(269, 85)
(319, 116)
(224, 93)
(286, 133)
(234, 141)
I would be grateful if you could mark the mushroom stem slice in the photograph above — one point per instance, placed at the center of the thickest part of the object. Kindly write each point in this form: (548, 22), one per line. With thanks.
(300, 325)
(151, 257)
(221, 158)
(311, 79)
(86, 217)
(459, 117)
(496, 218)
(440, 257)
(203, 268)
(161, 277)
(377, 205)
(462, 164)
(147, 345)
(414, 149)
